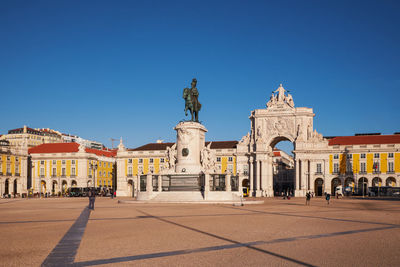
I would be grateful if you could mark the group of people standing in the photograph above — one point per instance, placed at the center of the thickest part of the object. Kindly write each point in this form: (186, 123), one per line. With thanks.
(311, 194)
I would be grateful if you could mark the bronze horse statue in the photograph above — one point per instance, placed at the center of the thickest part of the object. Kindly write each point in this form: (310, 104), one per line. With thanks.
(191, 101)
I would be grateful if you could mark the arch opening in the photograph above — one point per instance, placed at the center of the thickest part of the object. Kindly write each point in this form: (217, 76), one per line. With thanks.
(391, 181)
(15, 187)
(336, 186)
(319, 187)
(363, 186)
(283, 166)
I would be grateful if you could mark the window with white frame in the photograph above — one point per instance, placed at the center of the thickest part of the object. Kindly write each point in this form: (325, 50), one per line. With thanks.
(72, 171)
(73, 162)
(349, 156)
(140, 160)
(336, 156)
(129, 160)
(41, 171)
(63, 161)
(151, 160)
(54, 171)
(363, 168)
(54, 162)
(390, 155)
(362, 155)
(42, 162)
(140, 169)
(151, 169)
(376, 155)
(319, 168)
(336, 167)
(376, 166)
(130, 171)
(218, 159)
(162, 160)
(63, 171)
(16, 168)
(390, 166)
(230, 159)
(246, 169)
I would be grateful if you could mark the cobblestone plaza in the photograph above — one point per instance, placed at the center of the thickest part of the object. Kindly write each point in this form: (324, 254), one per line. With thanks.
(348, 232)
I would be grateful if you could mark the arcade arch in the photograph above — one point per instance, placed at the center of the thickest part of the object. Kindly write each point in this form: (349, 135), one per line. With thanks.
(363, 186)
(131, 188)
(54, 187)
(377, 182)
(43, 186)
(15, 187)
(319, 187)
(391, 181)
(64, 186)
(7, 186)
(334, 184)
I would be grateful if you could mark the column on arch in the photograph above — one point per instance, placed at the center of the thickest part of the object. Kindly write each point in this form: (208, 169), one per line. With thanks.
(251, 175)
(258, 178)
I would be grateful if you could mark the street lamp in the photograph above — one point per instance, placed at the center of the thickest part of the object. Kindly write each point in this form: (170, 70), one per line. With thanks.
(93, 166)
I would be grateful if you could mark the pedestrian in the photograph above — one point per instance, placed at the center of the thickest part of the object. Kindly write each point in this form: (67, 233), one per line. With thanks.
(328, 197)
(308, 197)
(92, 196)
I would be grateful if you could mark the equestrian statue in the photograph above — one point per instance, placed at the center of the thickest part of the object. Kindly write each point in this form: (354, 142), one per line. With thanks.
(192, 103)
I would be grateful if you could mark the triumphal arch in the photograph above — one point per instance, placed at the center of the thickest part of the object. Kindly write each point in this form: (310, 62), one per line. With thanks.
(280, 121)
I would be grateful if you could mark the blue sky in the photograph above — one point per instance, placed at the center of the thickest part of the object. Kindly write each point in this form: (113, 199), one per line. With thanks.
(102, 69)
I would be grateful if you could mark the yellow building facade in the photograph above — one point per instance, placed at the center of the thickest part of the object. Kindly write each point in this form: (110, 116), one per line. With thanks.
(57, 167)
(13, 170)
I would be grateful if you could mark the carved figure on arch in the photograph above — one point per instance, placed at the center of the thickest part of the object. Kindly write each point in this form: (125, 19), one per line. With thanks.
(289, 100)
(260, 135)
(245, 139)
(272, 100)
(281, 93)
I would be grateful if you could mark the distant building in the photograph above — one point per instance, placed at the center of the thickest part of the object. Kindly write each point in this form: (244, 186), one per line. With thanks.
(32, 137)
(67, 138)
(283, 170)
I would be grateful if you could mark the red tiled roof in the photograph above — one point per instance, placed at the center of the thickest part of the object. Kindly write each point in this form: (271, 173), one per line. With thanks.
(223, 144)
(163, 146)
(153, 146)
(277, 153)
(365, 140)
(68, 148)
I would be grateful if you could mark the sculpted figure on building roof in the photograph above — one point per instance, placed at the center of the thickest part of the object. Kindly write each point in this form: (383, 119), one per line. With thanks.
(121, 146)
(82, 148)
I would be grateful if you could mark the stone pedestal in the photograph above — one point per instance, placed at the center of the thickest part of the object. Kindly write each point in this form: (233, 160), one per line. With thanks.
(190, 142)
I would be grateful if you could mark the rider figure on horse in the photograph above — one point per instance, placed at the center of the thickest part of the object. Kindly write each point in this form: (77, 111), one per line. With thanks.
(191, 100)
